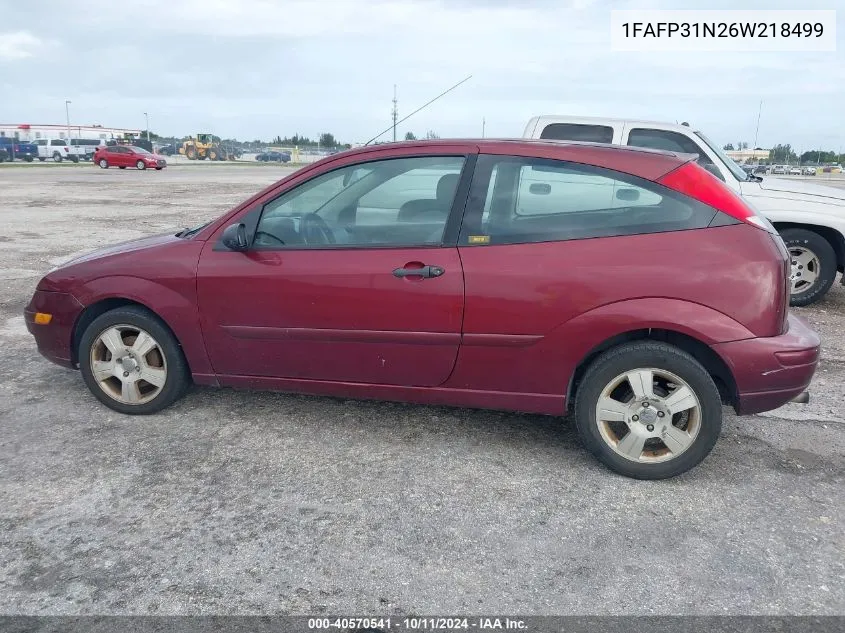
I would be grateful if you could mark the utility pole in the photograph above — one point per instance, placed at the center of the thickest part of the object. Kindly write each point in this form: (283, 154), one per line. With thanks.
(483, 126)
(395, 113)
(67, 114)
(147, 116)
(757, 131)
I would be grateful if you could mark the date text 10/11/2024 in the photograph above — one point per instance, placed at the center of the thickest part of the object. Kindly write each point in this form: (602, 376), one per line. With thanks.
(418, 624)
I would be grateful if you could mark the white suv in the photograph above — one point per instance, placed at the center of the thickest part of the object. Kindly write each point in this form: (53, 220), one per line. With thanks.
(810, 218)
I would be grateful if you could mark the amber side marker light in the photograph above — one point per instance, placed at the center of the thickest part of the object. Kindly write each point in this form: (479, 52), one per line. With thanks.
(42, 318)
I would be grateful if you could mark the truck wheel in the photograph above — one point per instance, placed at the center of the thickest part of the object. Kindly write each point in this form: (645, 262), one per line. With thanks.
(41, 159)
(74, 159)
(813, 265)
(28, 159)
(57, 157)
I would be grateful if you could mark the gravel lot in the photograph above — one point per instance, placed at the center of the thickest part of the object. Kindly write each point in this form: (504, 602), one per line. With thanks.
(240, 502)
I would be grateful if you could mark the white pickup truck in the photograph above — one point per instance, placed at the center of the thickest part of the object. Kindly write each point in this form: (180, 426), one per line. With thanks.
(58, 149)
(810, 218)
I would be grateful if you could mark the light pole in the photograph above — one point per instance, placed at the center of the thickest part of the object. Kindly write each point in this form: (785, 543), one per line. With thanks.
(147, 116)
(757, 131)
(67, 114)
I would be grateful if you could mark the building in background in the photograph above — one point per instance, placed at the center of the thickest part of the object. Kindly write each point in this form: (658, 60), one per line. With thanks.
(35, 131)
(748, 155)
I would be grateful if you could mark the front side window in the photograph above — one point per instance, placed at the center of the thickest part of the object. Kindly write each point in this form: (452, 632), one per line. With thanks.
(519, 200)
(672, 142)
(396, 202)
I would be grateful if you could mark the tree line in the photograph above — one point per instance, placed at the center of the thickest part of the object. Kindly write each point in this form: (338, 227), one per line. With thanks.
(784, 153)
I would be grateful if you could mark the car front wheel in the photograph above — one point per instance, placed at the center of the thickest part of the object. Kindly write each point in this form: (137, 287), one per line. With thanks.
(813, 265)
(648, 410)
(141, 165)
(131, 361)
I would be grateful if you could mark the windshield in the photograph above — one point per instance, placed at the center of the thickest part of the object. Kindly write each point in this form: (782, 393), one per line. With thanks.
(736, 170)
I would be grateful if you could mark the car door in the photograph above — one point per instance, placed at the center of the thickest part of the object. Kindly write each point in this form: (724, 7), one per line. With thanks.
(352, 275)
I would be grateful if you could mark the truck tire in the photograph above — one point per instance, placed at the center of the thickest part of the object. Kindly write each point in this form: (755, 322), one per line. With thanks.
(28, 159)
(57, 157)
(74, 159)
(813, 265)
(40, 159)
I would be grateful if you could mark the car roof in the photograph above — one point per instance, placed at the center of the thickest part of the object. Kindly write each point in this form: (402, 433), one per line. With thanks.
(639, 161)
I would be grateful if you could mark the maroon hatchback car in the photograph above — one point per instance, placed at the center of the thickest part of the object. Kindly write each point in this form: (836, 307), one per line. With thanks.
(629, 287)
(124, 156)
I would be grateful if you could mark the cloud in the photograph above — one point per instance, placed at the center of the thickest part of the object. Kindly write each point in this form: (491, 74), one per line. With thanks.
(18, 45)
(257, 68)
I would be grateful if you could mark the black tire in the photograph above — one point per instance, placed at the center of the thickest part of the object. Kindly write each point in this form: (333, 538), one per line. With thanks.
(822, 249)
(57, 157)
(121, 166)
(28, 159)
(648, 354)
(140, 165)
(41, 159)
(74, 159)
(178, 375)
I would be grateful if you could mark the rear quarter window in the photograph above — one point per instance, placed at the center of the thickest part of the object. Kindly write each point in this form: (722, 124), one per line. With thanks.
(578, 132)
(524, 200)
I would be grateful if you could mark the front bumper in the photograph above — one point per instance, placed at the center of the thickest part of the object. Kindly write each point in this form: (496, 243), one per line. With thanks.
(771, 371)
(54, 340)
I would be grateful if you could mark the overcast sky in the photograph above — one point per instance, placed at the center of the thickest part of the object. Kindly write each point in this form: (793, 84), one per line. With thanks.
(256, 68)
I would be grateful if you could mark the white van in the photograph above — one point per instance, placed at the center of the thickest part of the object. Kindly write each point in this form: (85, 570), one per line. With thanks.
(809, 217)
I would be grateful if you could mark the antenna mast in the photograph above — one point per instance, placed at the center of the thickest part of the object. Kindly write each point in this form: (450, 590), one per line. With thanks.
(395, 113)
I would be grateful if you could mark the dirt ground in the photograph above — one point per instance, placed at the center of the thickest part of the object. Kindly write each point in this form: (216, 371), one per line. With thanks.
(243, 502)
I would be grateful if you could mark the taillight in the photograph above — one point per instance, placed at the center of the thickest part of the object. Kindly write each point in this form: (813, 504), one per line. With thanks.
(696, 182)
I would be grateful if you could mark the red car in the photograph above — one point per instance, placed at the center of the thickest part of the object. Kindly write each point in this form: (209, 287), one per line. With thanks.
(124, 156)
(627, 286)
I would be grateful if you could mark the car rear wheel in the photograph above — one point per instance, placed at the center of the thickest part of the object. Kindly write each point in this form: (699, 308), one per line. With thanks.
(141, 165)
(813, 265)
(104, 164)
(57, 157)
(131, 361)
(648, 410)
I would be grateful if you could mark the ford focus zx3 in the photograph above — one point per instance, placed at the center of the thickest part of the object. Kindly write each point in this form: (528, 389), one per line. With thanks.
(515, 275)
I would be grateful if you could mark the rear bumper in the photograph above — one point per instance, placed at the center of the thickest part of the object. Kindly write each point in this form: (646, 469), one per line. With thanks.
(54, 339)
(771, 371)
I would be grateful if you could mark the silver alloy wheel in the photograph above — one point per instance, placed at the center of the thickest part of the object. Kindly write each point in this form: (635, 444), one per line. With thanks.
(648, 415)
(805, 268)
(128, 364)
(141, 164)
(104, 163)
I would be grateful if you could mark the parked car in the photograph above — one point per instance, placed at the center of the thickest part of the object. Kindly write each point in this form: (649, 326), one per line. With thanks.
(89, 146)
(474, 252)
(808, 170)
(18, 150)
(761, 169)
(280, 157)
(168, 150)
(124, 156)
(809, 217)
(795, 170)
(58, 149)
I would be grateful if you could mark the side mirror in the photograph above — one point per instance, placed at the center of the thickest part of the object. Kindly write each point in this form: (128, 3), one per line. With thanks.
(234, 237)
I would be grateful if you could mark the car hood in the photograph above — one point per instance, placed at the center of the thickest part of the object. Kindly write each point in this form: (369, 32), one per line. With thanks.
(801, 188)
(122, 248)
